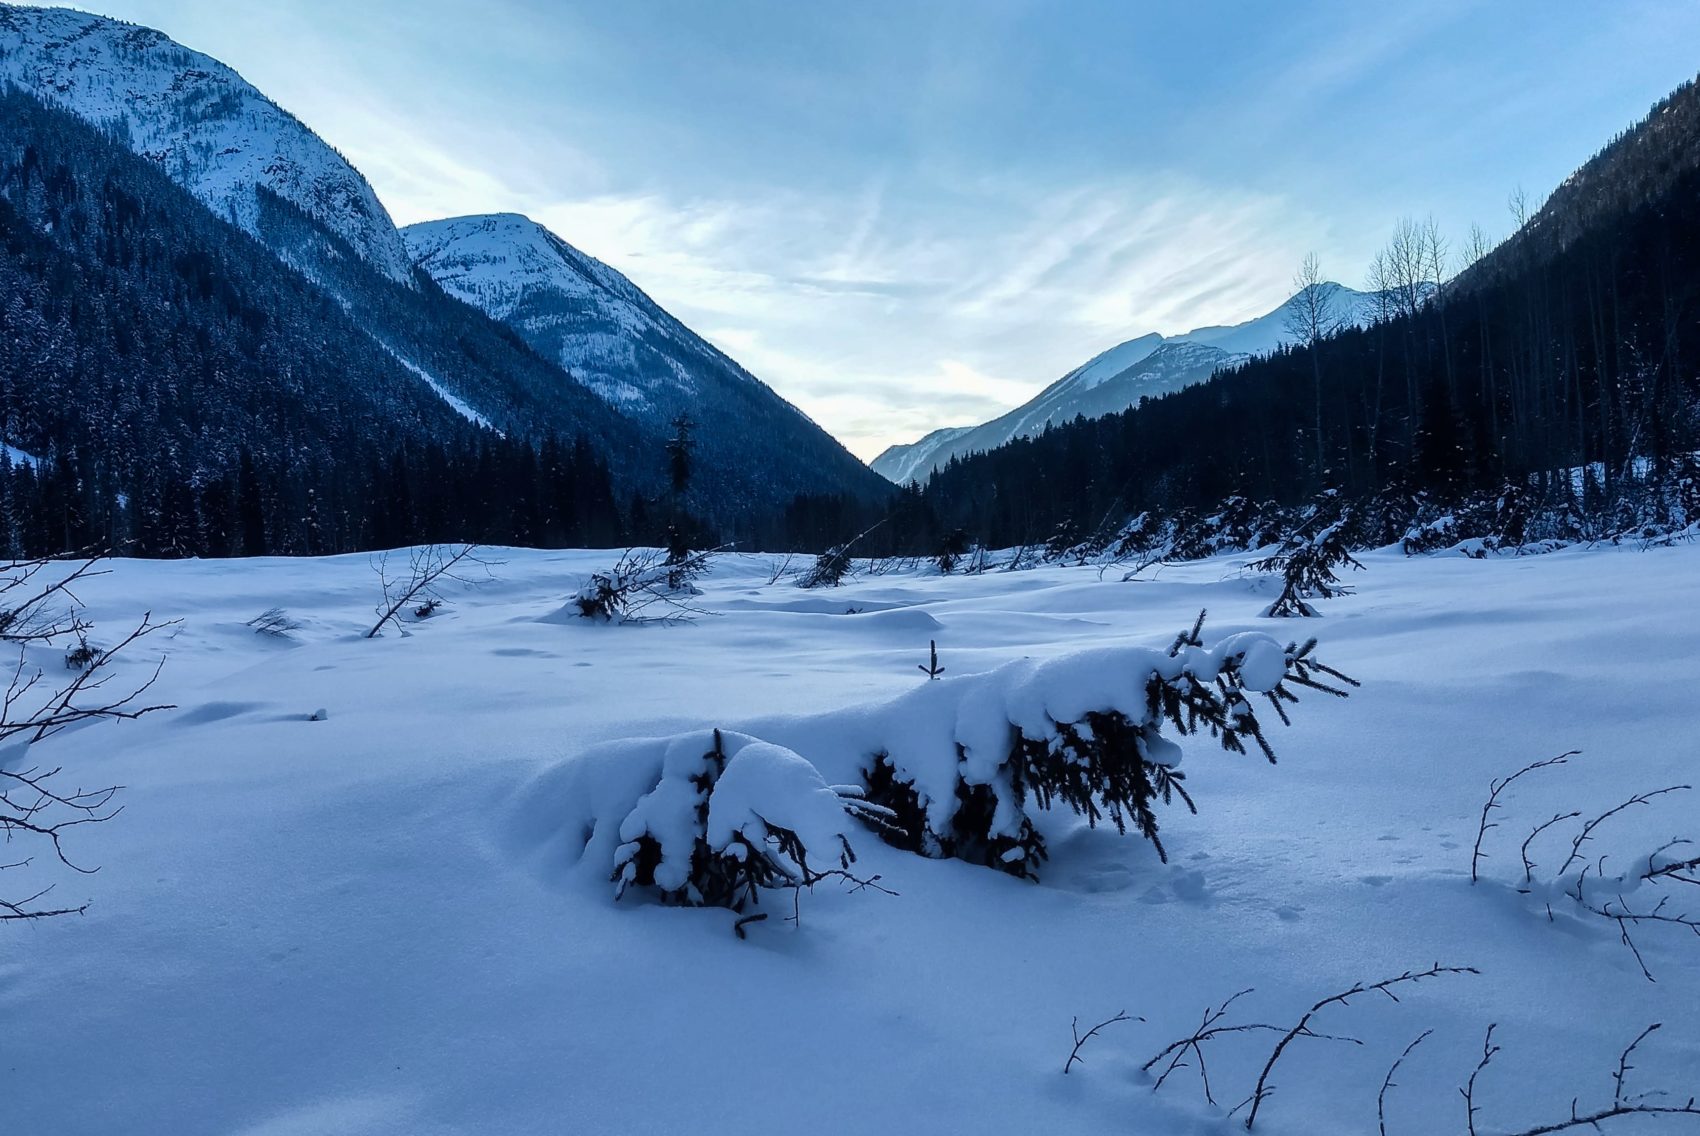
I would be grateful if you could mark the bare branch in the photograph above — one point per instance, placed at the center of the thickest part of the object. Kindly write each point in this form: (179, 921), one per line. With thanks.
(1588, 829)
(1622, 1103)
(32, 619)
(1528, 864)
(1468, 1092)
(1081, 1039)
(1494, 790)
(1387, 1082)
(427, 566)
(1385, 986)
(1194, 1043)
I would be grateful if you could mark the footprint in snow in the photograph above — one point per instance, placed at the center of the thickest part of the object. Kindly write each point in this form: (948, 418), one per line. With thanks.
(1107, 878)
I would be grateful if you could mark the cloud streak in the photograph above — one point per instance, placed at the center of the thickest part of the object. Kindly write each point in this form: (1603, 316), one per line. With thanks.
(882, 327)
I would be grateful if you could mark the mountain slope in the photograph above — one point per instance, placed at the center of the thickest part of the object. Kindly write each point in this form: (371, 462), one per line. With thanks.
(603, 330)
(196, 119)
(1148, 366)
(1639, 165)
(185, 393)
(1103, 385)
(252, 164)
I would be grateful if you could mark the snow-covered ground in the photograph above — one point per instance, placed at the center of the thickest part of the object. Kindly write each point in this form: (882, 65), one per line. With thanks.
(360, 925)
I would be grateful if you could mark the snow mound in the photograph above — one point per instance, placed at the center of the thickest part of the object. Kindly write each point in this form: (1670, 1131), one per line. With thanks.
(956, 768)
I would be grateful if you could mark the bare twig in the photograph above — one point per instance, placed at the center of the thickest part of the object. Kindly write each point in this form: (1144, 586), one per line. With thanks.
(1081, 1039)
(1387, 1082)
(1673, 870)
(33, 804)
(1494, 790)
(1588, 829)
(1468, 1092)
(33, 618)
(1622, 1103)
(1194, 1043)
(780, 567)
(274, 621)
(428, 565)
(1623, 1066)
(1528, 864)
(1385, 986)
(21, 712)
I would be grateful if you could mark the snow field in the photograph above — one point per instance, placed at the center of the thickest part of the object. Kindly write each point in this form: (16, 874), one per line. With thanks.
(380, 923)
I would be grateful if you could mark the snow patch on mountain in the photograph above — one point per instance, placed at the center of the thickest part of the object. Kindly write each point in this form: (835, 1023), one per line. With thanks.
(570, 306)
(459, 405)
(1105, 366)
(17, 457)
(204, 125)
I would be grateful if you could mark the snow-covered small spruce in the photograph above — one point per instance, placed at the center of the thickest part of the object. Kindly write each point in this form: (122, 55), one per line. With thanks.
(832, 566)
(1083, 731)
(829, 568)
(731, 816)
(959, 767)
(1307, 565)
(639, 584)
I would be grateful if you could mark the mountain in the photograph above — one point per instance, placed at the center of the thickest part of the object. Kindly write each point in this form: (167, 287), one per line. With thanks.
(180, 391)
(253, 165)
(605, 332)
(1148, 366)
(1639, 165)
(196, 119)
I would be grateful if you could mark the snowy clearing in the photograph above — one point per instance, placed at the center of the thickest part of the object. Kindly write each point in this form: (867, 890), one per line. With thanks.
(377, 923)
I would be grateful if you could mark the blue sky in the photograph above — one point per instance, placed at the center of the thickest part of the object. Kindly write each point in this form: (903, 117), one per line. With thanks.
(905, 215)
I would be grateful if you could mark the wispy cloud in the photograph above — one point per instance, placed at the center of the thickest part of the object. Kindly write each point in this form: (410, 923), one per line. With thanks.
(882, 326)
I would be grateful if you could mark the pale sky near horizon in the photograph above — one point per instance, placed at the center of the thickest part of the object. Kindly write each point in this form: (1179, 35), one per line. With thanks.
(906, 215)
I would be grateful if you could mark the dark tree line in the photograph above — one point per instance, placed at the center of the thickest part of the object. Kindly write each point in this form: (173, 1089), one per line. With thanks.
(486, 490)
(1550, 356)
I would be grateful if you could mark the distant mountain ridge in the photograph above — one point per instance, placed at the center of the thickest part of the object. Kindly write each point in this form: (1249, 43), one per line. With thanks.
(572, 307)
(1147, 366)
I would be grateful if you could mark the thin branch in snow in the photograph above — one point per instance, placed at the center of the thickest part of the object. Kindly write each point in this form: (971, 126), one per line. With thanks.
(1194, 1043)
(1528, 864)
(1385, 986)
(1387, 1082)
(1622, 1103)
(1081, 1039)
(1494, 790)
(428, 566)
(1588, 829)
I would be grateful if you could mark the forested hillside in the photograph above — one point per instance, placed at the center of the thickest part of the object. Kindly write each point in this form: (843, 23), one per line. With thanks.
(184, 393)
(1548, 357)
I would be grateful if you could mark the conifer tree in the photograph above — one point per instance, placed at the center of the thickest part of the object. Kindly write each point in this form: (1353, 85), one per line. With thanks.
(1307, 565)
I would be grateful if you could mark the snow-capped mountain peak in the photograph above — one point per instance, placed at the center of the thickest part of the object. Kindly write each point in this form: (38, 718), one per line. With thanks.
(569, 306)
(602, 329)
(1146, 366)
(204, 125)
